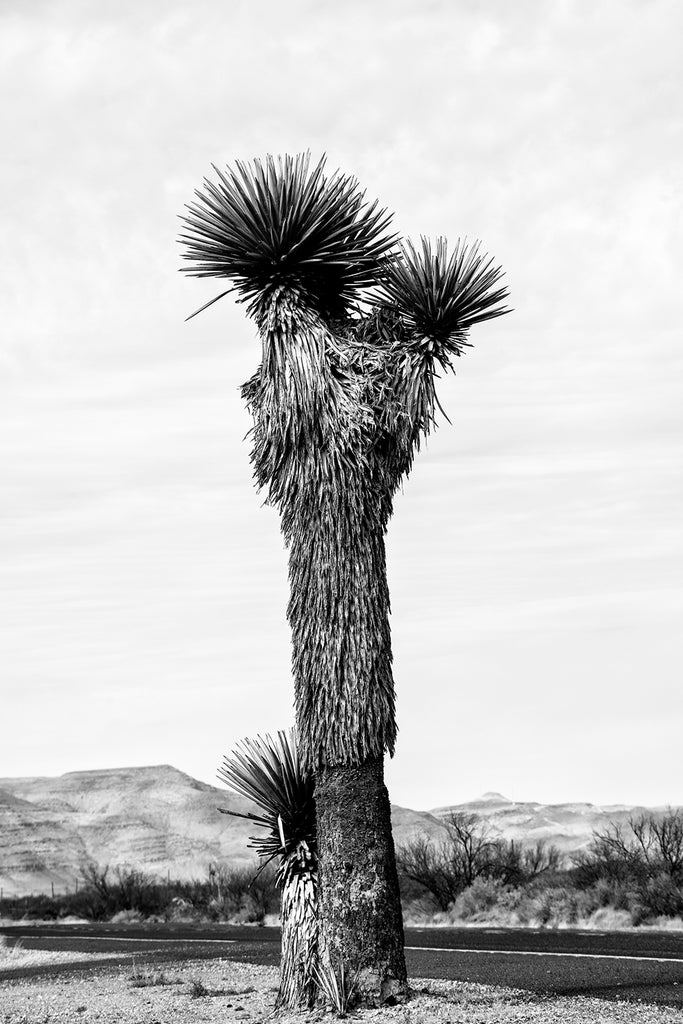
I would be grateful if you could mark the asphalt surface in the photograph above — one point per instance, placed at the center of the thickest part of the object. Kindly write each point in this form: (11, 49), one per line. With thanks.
(644, 966)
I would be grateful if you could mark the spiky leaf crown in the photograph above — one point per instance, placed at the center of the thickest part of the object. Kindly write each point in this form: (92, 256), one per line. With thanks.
(440, 297)
(274, 224)
(269, 771)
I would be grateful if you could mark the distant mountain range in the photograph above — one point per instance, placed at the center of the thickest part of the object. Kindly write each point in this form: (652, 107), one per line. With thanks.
(161, 821)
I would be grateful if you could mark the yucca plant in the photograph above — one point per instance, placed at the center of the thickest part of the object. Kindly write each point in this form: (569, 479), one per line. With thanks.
(269, 772)
(337, 988)
(354, 329)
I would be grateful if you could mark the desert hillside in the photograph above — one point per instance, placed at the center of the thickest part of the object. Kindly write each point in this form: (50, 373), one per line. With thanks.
(160, 820)
(153, 818)
(567, 826)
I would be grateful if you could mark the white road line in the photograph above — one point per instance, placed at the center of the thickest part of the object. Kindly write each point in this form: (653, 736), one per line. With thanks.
(119, 938)
(533, 952)
(419, 949)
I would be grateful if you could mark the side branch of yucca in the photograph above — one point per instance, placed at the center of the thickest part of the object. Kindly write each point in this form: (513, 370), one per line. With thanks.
(269, 771)
(440, 297)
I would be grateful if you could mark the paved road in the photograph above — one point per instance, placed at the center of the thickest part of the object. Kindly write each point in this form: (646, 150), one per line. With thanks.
(624, 965)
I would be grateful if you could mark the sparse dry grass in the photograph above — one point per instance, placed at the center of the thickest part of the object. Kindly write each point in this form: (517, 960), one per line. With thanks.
(141, 978)
(9, 950)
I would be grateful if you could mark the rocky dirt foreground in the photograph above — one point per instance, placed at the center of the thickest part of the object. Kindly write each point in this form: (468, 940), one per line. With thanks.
(223, 991)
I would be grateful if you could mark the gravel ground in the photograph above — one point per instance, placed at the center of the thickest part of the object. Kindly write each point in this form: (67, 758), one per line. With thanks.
(223, 991)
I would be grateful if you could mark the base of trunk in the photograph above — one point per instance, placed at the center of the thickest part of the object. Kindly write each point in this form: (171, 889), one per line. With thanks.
(359, 905)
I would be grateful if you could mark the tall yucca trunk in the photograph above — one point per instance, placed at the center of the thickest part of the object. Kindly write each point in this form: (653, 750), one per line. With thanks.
(361, 925)
(313, 447)
(339, 613)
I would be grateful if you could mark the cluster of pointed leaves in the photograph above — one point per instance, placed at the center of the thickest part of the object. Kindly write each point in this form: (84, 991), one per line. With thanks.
(268, 771)
(278, 224)
(440, 297)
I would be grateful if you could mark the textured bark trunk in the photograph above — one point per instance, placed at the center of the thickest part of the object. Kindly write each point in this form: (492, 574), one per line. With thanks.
(299, 958)
(315, 448)
(359, 905)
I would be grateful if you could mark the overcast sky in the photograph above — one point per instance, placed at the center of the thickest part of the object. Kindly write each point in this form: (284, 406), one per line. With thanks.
(536, 556)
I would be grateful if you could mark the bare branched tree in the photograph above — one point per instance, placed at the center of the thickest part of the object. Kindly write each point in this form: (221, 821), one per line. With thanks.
(541, 858)
(468, 850)
(650, 843)
(644, 857)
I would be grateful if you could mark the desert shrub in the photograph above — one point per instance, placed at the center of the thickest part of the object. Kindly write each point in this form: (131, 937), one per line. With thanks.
(553, 906)
(638, 867)
(233, 889)
(607, 919)
(42, 907)
(182, 910)
(263, 895)
(481, 898)
(240, 895)
(419, 910)
(546, 905)
(14, 908)
(105, 894)
(127, 917)
(661, 896)
(246, 895)
(136, 893)
(128, 895)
